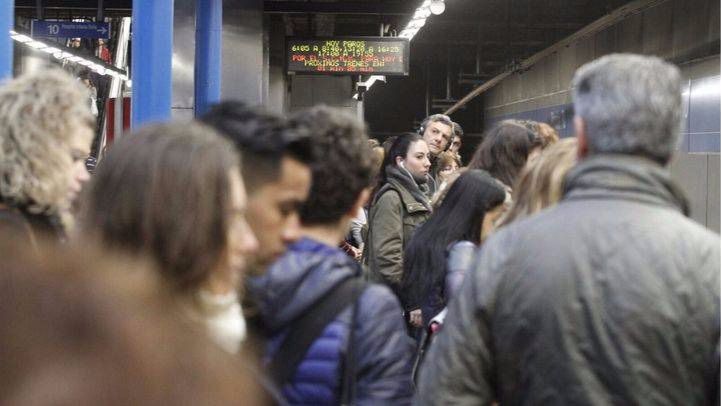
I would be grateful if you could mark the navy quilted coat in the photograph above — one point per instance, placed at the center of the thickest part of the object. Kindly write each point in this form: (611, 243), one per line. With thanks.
(383, 350)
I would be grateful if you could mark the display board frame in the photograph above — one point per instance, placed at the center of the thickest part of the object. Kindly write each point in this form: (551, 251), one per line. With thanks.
(406, 55)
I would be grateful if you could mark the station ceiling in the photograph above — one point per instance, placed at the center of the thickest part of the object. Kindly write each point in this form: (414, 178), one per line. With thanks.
(502, 31)
(472, 41)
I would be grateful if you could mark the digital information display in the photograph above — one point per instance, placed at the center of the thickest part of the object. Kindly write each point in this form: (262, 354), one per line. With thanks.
(350, 56)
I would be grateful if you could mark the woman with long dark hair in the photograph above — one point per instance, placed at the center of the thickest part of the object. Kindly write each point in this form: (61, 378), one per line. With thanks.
(399, 205)
(467, 214)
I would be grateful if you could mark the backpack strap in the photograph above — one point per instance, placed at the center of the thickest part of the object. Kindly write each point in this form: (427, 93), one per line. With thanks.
(308, 327)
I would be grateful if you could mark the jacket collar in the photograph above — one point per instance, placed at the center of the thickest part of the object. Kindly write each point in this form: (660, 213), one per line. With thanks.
(304, 274)
(413, 197)
(624, 177)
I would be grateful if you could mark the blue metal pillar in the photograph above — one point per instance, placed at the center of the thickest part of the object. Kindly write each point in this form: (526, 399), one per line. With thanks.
(152, 55)
(208, 53)
(7, 15)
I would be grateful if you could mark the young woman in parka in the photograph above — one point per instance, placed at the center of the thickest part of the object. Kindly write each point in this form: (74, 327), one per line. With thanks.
(400, 204)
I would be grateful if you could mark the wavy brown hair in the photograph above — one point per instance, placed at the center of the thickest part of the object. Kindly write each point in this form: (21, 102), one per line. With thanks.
(541, 182)
(343, 164)
(504, 151)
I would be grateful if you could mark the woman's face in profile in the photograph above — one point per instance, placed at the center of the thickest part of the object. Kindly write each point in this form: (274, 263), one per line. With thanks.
(241, 240)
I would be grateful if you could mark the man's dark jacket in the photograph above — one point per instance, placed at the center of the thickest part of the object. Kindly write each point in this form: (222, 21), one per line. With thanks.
(609, 298)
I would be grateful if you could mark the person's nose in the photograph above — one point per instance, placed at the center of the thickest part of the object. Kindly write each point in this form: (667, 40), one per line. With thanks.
(82, 175)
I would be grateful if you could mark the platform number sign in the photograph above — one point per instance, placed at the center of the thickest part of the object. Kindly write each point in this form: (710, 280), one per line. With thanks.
(70, 29)
(53, 29)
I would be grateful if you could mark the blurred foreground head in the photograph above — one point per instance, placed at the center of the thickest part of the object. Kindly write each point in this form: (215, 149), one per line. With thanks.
(276, 169)
(79, 329)
(343, 170)
(628, 104)
(173, 192)
(45, 133)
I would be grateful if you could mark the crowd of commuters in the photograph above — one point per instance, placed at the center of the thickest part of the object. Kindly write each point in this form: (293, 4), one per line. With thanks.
(250, 257)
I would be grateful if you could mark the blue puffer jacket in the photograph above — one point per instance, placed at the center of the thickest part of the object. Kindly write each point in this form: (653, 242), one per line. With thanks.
(383, 350)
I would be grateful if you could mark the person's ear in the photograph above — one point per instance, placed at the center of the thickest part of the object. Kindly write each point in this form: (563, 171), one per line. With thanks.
(399, 161)
(579, 127)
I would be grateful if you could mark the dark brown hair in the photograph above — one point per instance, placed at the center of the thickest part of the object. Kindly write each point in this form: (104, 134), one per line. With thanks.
(504, 151)
(540, 184)
(164, 192)
(263, 138)
(343, 165)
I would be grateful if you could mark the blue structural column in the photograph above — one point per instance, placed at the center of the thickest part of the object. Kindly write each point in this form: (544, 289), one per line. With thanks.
(7, 14)
(208, 53)
(152, 55)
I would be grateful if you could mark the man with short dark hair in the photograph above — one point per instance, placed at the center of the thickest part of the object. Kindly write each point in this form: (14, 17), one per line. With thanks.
(359, 353)
(610, 297)
(457, 140)
(275, 170)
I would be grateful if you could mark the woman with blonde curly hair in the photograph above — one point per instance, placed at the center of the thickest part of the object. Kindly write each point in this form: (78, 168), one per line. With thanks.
(45, 133)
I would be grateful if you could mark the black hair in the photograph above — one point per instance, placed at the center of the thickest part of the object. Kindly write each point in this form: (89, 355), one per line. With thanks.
(504, 151)
(459, 218)
(457, 130)
(263, 138)
(398, 148)
(344, 164)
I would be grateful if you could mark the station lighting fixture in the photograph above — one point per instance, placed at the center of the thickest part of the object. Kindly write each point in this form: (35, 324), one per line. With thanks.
(68, 56)
(438, 7)
(422, 13)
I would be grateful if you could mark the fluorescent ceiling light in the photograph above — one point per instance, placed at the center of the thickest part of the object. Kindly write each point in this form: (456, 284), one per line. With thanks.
(60, 54)
(422, 12)
(417, 22)
(438, 7)
(36, 44)
(21, 38)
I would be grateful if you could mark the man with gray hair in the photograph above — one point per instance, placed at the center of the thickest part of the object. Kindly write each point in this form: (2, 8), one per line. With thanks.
(610, 297)
(437, 130)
